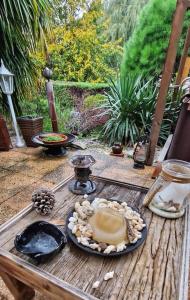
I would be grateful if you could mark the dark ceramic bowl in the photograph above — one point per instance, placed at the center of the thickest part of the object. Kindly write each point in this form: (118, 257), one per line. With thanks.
(40, 241)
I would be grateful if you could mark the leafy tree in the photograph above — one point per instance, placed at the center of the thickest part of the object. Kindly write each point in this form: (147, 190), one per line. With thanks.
(79, 52)
(67, 11)
(22, 24)
(122, 16)
(145, 51)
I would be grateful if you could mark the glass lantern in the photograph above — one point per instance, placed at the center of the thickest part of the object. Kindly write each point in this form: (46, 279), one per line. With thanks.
(139, 154)
(170, 193)
(6, 80)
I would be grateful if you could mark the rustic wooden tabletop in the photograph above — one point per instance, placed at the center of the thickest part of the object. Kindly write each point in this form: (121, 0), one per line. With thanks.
(158, 269)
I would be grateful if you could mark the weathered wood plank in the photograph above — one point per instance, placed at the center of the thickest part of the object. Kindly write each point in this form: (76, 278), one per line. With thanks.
(19, 290)
(38, 279)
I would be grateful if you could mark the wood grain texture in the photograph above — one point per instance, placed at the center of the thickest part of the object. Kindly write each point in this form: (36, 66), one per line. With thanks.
(150, 272)
(19, 290)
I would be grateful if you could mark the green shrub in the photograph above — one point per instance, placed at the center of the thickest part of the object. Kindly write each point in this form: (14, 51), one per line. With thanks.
(81, 85)
(146, 49)
(92, 101)
(131, 105)
(63, 96)
(39, 107)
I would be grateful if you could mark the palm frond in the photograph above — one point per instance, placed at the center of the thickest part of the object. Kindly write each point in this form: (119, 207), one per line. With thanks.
(21, 25)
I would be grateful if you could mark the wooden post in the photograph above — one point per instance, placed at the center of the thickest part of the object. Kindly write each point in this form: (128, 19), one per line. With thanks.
(52, 111)
(47, 73)
(166, 78)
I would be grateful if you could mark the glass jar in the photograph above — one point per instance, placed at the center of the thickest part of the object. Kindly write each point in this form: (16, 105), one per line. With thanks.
(170, 193)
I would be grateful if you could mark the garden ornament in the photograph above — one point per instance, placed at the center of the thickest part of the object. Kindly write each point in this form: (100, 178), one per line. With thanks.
(6, 83)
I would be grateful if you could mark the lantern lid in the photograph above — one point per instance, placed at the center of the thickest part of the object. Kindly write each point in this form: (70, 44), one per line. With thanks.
(82, 161)
(4, 71)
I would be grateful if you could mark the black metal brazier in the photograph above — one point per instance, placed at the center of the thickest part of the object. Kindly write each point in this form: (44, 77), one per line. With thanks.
(82, 184)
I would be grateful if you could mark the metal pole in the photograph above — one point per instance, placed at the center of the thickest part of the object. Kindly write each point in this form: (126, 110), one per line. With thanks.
(166, 78)
(19, 142)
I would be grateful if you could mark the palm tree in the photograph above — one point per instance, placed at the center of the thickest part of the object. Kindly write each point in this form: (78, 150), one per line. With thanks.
(22, 25)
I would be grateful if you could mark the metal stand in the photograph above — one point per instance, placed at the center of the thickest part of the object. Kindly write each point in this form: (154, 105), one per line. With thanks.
(56, 151)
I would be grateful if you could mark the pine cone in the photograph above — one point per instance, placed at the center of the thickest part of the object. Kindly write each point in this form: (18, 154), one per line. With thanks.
(44, 200)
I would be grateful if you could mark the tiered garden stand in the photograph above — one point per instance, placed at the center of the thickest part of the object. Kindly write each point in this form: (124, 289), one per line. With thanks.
(158, 269)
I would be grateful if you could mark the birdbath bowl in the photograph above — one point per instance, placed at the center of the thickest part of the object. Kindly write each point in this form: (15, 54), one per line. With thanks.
(55, 143)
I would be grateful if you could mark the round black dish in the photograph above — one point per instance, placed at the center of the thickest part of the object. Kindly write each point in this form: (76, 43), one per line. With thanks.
(130, 247)
(40, 241)
(55, 149)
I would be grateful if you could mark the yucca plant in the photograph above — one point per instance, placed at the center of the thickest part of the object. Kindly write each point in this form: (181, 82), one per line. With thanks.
(128, 104)
(22, 25)
(131, 104)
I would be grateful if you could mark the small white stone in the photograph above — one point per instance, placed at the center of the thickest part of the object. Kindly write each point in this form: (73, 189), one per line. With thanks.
(121, 247)
(96, 284)
(134, 241)
(74, 230)
(72, 219)
(75, 215)
(108, 275)
(85, 196)
(109, 249)
(94, 246)
(71, 225)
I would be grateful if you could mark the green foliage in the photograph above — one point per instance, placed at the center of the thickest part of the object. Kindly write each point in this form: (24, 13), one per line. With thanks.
(79, 52)
(145, 51)
(131, 105)
(65, 12)
(63, 96)
(81, 85)
(21, 27)
(122, 16)
(92, 101)
(38, 106)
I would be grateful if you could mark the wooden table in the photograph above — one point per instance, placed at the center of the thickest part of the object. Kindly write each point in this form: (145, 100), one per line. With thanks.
(158, 269)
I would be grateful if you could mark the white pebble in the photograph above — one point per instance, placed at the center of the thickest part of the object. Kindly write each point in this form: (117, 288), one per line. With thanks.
(109, 249)
(71, 225)
(74, 230)
(96, 284)
(121, 247)
(108, 275)
(85, 196)
(75, 215)
(72, 219)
